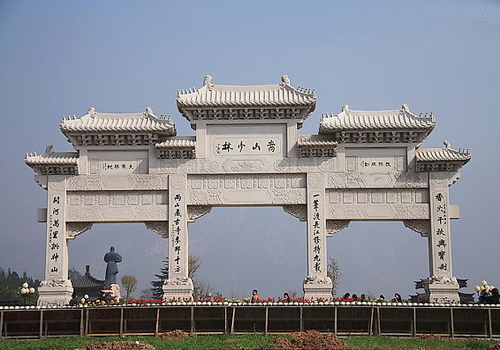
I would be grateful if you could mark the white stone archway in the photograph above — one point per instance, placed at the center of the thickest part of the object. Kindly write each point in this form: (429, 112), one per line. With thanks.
(363, 165)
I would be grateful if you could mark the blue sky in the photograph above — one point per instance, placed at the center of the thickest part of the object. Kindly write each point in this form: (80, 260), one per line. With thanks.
(61, 57)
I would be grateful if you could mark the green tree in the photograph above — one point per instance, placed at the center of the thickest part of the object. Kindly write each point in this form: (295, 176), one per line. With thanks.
(129, 282)
(333, 271)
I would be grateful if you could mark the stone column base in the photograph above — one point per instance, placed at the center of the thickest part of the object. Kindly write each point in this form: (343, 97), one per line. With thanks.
(317, 287)
(442, 290)
(179, 289)
(56, 292)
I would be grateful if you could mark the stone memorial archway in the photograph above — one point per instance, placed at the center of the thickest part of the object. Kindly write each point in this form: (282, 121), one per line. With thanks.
(362, 165)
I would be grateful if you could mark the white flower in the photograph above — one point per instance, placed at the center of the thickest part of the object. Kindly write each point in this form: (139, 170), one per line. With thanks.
(478, 288)
(25, 285)
(484, 282)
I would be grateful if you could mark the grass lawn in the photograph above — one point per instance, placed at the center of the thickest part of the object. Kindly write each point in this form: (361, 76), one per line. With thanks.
(244, 342)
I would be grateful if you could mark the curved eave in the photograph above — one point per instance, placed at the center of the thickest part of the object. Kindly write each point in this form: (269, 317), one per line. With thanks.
(279, 96)
(441, 159)
(371, 121)
(109, 123)
(177, 143)
(53, 163)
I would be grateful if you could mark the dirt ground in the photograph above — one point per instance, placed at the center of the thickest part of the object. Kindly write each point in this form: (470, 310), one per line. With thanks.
(309, 340)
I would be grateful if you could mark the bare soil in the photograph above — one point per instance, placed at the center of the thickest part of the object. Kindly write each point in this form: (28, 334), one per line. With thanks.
(309, 340)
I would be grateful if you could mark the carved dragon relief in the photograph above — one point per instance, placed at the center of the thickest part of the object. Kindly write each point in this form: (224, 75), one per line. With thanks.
(297, 210)
(421, 226)
(74, 229)
(197, 211)
(334, 226)
(160, 227)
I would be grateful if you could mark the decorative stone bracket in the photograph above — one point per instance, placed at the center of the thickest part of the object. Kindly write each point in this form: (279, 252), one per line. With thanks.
(334, 226)
(74, 229)
(197, 211)
(297, 210)
(421, 226)
(160, 227)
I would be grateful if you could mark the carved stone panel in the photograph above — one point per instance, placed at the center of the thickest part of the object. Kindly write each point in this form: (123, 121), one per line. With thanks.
(421, 226)
(160, 227)
(299, 211)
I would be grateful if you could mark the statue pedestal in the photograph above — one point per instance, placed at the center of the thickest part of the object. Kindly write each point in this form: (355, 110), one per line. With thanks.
(317, 287)
(56, 292)
(178, 288)
(442, 290)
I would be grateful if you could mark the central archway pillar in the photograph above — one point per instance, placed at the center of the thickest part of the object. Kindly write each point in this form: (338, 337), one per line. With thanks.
(178, 285)
(316, 284)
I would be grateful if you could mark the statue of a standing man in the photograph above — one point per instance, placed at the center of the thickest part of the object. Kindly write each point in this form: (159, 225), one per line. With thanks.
(112, 258)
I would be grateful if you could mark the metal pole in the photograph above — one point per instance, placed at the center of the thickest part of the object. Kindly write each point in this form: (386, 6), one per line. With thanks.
(414, 323)
(1, 324)
(87, 322)
(121, 322)
(301, 323)
(41, 324)
(378, 321)
(452, 321)
(232, 319)
(192, 319)
(226, 328)
(157, 325)
(82, 325)
(267, 320)
(370, 330)
(336, 324)
(490, 328)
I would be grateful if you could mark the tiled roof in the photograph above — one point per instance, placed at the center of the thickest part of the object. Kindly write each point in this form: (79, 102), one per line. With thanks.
(94, 122)
(311, 142)
(59, 159)
(88, 281)
(375, 120)
(278, 95)
(177, 143)
(442, 155)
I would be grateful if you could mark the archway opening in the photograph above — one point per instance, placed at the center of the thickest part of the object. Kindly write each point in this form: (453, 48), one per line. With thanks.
(143, 252)
(380, 257)
(248, 248)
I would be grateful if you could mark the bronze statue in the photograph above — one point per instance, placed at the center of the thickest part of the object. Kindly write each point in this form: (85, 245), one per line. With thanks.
(112, 258)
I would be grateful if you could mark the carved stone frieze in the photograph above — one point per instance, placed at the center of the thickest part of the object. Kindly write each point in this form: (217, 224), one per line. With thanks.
(56, 282)
(378, 212)
(56, 183)
(74, 229)
(334, 226)
(179, 281)
(160, 227)
(420, 226)
(317, 280)
(133, 182)
(244, 165)
(315, 180)
(177, 182)
(197, 211)
(297, 210)
(385, 180)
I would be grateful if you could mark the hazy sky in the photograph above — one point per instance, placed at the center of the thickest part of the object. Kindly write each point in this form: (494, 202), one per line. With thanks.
(61, 57)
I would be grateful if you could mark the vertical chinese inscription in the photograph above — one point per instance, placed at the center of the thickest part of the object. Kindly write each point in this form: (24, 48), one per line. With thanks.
(177, 234)
(441, 232)
(55, 233)
(317, 238)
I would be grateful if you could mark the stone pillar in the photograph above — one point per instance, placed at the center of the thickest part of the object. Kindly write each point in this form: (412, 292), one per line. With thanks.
(441, 286)
(178, 285)
(56, 289)
(317, 284)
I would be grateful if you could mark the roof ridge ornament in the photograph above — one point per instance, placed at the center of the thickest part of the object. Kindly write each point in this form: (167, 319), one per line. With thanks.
(346, 110)
(207, 81)
(149, 112)
(405, 108)
(447, 144)
(285, 80)
(91, 112)
(48, 149)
